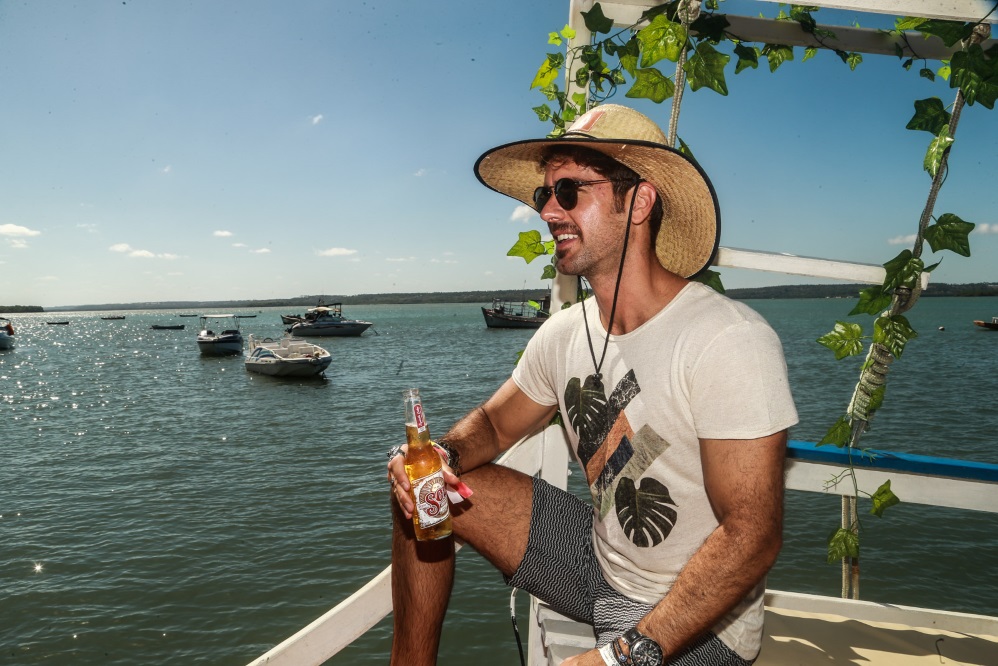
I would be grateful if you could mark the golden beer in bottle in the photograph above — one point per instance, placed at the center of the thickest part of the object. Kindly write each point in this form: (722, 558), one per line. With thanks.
(431, 516)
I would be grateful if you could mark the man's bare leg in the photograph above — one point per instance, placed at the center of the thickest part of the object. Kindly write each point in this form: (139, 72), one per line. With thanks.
(495, 521)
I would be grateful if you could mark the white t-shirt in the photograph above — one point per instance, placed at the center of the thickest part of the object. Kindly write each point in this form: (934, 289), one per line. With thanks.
(704, 367)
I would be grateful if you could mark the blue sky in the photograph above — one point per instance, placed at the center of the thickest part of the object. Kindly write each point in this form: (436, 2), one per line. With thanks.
(177, 150)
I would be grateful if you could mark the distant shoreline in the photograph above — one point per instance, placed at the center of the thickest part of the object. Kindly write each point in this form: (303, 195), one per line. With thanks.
(485, 297)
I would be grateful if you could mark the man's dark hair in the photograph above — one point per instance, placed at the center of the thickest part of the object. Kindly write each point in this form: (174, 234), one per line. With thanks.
(623, 177)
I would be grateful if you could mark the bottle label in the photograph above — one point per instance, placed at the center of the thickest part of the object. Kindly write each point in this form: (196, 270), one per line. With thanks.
(431, 499)
(420, 419)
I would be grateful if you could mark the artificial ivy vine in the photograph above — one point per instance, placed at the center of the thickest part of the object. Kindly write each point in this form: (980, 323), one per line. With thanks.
(679, 33)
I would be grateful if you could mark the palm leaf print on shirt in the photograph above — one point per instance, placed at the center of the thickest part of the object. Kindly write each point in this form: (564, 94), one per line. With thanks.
(647, 513)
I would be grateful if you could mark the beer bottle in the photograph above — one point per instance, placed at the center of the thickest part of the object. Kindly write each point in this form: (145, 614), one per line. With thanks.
(431, 517)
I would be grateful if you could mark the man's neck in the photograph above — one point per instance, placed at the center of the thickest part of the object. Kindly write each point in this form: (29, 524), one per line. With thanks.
(642, 294)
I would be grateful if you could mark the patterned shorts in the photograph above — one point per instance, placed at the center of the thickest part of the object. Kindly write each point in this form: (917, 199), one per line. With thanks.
(560, 568)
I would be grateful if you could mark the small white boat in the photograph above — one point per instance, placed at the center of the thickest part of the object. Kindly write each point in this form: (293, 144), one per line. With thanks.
(228, 342)
(6, 334)
(328, 321)
(287, 357)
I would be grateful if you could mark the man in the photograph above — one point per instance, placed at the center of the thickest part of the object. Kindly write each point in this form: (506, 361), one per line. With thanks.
(678, 417)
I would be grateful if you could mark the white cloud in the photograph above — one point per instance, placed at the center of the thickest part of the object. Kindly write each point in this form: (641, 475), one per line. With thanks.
(442, 261)
(523, 214)
(262, 250)
(239, 245)
(419, 173)
(17, 230)
(316, 119)
(125, 248)
(398, 259)
(985, 228)
(902, 240)
(221, 233)
(336, 252)
(166, 169)
(17, 243)
(89, 228)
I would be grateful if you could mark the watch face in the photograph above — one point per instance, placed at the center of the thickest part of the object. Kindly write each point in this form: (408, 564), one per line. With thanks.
(646, 652)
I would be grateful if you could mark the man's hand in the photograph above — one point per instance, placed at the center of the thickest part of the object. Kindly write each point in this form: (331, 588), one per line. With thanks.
(399, 480)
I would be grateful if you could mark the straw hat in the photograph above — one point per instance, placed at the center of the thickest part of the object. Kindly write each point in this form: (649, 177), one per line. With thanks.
(689, 234)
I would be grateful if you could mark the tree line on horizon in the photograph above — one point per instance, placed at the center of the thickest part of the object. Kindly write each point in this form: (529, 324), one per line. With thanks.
(940, 289)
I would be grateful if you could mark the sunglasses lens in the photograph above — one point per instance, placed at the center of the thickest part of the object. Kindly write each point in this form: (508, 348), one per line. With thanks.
(567, 193)
(541, 196)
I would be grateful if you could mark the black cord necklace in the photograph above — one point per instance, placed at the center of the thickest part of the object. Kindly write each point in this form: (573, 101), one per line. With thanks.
(598, 376)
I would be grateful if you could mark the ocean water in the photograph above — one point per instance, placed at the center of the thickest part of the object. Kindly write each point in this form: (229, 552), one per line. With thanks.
(161, 507)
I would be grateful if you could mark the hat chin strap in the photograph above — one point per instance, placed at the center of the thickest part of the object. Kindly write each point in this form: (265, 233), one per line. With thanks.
(598, 376)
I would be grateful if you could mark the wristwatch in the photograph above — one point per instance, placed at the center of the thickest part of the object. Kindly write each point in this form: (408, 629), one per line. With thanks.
(642, 650)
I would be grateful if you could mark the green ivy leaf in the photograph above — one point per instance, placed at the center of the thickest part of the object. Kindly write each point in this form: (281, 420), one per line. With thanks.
(839, 434)
(902, 271)
(950, 233)
(661, 39)
(937, 150)
(809, 52)
(930, 116)
(596, 21)
(893, 332)
(950, 32)
(748, 56)
(872, 301)
(845, 339)
(706, 69)
(543, 112)
(711, 27)
(554, 39)
(548, 71)
(908, 23)
(975, 73)
(651, 84)
(549, 273)
(842, 543)
(854, 60)
(568, 33)
(712, 279)
(944, 72)
(529, 246)
(883, 499)
(927, 73)
(777, 54)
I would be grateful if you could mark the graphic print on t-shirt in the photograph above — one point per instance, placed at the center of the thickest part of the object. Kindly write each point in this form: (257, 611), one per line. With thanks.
(613, 456)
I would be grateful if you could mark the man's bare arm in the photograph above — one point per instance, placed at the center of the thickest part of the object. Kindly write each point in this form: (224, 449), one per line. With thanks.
(744, 481)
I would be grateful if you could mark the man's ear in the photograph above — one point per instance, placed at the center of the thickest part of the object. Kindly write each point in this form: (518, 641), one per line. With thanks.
(643, 202)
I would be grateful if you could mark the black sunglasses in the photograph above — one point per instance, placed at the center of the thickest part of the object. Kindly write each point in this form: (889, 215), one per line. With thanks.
(565, 190)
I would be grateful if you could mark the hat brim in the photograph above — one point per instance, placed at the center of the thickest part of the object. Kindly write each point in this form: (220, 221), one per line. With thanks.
(688, 238)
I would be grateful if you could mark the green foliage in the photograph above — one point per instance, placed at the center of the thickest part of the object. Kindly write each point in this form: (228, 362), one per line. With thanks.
(930, 116)
(842, 543)
(937, 149)
(903, 270)
(950, 233)
(893, 332)
(883, 499)
(975, 72)
(845, 339)
(530, 246)
(872, 301)
(839, 434)
(712, 279)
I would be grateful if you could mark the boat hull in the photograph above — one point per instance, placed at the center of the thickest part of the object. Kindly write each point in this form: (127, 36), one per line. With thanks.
(331, 329)
(6, 341)
(220, 345)
(987, 325)
(495, 319)
(288, 357)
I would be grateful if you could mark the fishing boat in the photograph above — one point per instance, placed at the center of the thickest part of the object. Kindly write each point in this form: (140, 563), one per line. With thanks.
(516, 314)
(328, 320)
(227, 342)
(113, 317)
(57, 323)
(989, 325)
(6, 334)
(287, 357)
(167, 327)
